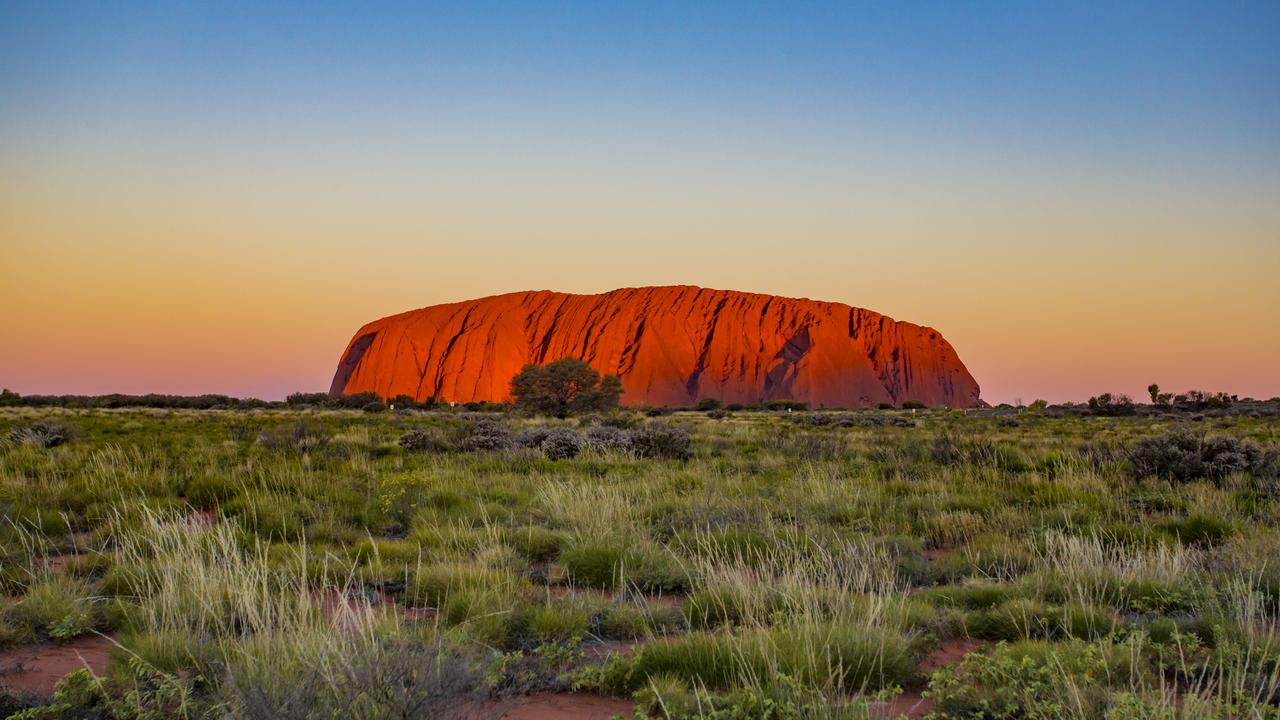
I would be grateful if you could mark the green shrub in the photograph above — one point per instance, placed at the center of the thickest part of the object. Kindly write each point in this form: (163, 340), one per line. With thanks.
(1034, 679)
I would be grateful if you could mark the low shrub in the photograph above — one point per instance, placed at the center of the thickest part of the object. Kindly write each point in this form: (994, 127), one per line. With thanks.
(662, 440)
(531, 437)
(428, 440)
(485, 435)
(1034, 679)
(298, 437)
(1184, 455)
(607, 437)
(561, 444)
(41, 434)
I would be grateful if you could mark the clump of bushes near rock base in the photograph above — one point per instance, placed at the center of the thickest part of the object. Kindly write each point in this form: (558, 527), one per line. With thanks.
(662, 440)
(425, 440)
(607, 437)
(848, 420)
(652, 440)
(561, 444)
(486, 434)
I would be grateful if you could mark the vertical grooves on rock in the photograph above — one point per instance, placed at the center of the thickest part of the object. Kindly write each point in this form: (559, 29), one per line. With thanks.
(712, 323)
(670, 345)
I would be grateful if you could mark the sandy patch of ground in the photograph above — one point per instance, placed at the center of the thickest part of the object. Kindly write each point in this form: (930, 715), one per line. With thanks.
(557, 706)
(38, 668)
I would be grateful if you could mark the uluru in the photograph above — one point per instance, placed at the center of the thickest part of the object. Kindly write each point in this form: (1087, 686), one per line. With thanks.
(671, 346)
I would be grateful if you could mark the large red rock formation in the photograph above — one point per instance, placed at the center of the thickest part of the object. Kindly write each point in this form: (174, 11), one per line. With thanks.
(670, 345)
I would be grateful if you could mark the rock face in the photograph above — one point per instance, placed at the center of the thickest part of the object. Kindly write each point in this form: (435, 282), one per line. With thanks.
(670, 345)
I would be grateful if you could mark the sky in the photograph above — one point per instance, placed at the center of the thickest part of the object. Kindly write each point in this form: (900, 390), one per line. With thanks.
(213, 196)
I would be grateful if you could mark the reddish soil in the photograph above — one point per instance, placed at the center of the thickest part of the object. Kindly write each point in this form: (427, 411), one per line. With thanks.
(57, 564)
(950, 653)
(37, 668)
(558, 706)
(908, 704)
(346, 608)
(606, 648)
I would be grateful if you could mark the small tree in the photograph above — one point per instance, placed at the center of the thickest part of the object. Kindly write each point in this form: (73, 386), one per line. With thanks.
(1111, 405)
(1157, 397)
(563, 388)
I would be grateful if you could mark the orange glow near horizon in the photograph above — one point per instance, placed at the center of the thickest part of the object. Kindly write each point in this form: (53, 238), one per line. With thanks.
(158, 289)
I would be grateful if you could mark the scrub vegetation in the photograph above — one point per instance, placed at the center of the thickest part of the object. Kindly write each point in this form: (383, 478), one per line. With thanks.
(313, 562)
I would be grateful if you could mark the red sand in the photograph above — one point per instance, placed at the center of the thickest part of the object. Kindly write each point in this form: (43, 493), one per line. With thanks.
(950, 653)
(908, 704)
(562, 706)
(43, 665)
(671, 346)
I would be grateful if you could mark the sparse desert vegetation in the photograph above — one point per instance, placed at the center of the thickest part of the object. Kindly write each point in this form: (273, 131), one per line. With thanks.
(319, 562)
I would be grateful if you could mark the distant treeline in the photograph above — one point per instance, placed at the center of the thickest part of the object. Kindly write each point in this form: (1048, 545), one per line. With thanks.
(118, 400)
(358, 401)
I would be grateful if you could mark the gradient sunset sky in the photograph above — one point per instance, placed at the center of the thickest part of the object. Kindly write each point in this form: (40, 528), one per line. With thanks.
(213, 196)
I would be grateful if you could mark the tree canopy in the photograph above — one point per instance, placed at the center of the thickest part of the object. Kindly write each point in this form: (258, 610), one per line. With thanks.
(563, 388)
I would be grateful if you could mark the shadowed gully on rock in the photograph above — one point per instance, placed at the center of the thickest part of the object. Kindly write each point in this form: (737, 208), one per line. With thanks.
(671, 346)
